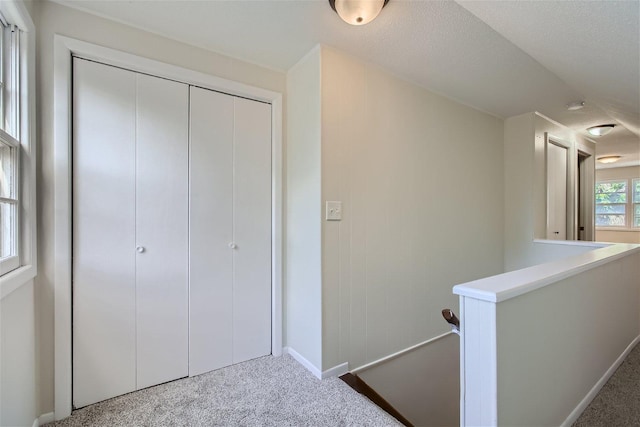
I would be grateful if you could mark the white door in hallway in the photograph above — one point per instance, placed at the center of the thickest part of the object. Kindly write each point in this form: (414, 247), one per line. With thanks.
(556, 192)
(130, 231)
(230, 226)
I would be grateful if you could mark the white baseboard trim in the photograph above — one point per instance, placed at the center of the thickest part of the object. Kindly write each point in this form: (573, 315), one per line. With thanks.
(44, 419)
(336, 371)
(49, 417)
(304, 362)
(575, 414)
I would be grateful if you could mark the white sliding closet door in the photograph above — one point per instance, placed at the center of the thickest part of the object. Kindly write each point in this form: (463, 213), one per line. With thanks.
(130, 231)
(230, 226)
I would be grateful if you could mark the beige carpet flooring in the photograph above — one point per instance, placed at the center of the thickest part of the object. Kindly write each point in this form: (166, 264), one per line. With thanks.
(618, 403)
(269, 391)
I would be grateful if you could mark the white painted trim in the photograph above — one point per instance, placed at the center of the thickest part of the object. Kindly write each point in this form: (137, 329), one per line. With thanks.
(304, 362)
(64, 49)
(16, 279)
(463, 350)
(277, 198)
(398, 353)
(582, 243)
(336, 371)
(46, 418)
(503, 287)
(17, 13)
(150, 66)
(478, 363)
(62, 229)
(575, 414)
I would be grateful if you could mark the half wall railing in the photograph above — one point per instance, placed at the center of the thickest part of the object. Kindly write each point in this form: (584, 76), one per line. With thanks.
(537, 344)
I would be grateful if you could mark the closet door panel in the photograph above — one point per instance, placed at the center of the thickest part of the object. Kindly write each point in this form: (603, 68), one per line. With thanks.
(162, 230)
(103, 232)
(556, 192)
(252, 230)
(211, 218)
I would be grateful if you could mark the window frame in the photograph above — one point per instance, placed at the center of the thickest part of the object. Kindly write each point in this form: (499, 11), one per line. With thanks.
(10, 132)
(629, 206)
(16, 13)
(12, 262)
(626, 193)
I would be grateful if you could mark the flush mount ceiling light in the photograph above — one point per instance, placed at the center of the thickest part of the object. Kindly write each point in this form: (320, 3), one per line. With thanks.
(575, 105)
(609, 159)
(358, 12)
(600, 130)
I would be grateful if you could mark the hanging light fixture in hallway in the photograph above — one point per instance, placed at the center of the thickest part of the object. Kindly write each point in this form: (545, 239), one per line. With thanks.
(357, 12)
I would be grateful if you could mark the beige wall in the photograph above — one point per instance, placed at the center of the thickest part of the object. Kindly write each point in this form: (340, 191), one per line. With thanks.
(525, 187)
(618, 236)
(303, 267)
(57, 19)
(19, 381)
(420, 178)
(548, 363)
(424, 384)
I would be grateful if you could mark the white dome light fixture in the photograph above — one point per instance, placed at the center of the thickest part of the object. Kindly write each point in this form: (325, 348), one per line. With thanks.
(600, 130)
(358, 12)
(609, 159)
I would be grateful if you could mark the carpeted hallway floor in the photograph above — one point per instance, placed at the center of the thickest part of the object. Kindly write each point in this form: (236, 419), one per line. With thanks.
(269, 391)
(618, 403)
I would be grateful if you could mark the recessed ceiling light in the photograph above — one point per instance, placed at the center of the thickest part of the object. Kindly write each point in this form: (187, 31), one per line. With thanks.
(600, 130)
(609, 159)
(575, 105)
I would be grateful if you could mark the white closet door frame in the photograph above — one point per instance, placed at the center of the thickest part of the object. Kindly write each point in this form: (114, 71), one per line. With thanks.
(64, 49)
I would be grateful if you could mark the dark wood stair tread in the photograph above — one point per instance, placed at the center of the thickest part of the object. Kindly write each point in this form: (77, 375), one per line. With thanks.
(363, 388)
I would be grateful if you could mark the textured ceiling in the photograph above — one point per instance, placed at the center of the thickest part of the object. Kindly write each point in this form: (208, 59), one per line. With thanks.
(502, 57)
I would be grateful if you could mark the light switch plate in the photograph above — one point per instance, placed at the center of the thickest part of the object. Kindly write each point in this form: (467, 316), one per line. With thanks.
(334, 211)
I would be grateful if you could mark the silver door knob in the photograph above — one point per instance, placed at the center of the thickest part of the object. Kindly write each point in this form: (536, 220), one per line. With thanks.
(140, 249)
(233, 245)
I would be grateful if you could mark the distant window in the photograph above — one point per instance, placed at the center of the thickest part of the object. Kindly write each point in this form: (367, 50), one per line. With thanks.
(611, 203)
(636, 202)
